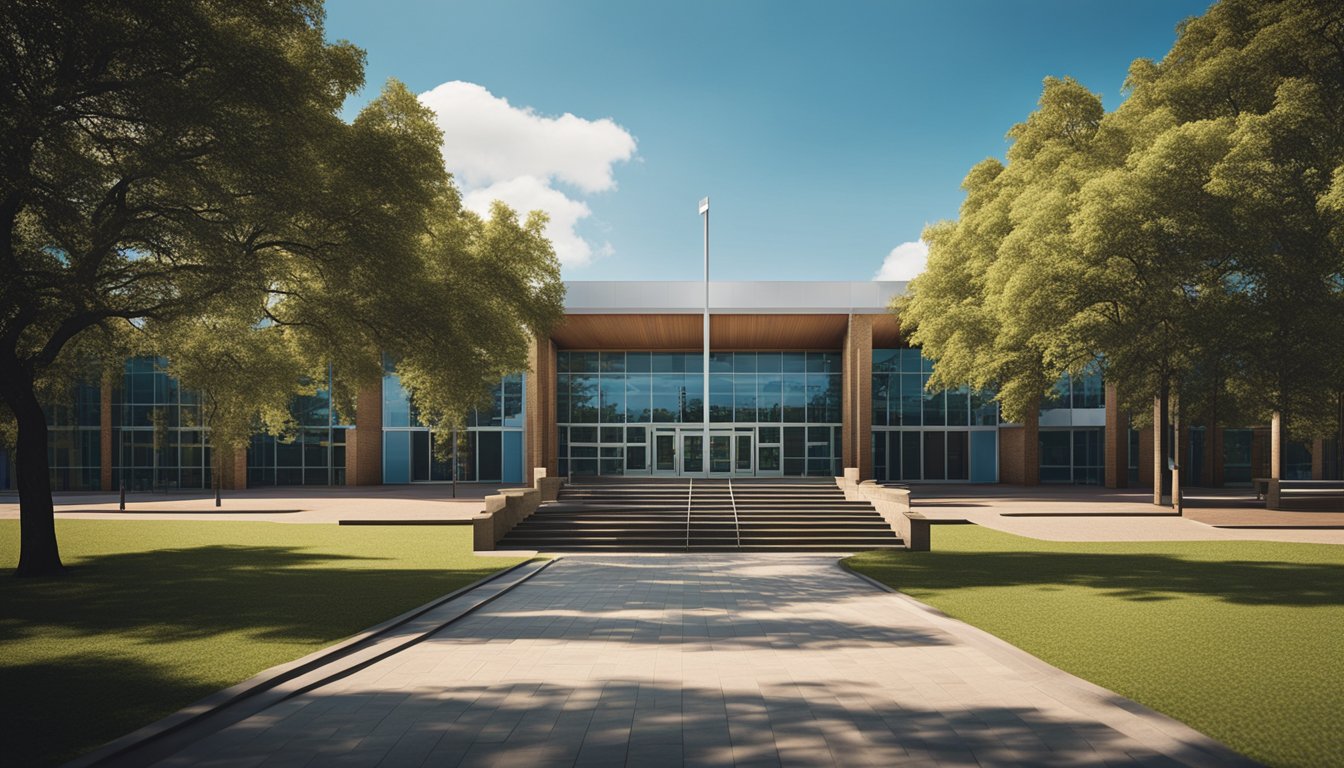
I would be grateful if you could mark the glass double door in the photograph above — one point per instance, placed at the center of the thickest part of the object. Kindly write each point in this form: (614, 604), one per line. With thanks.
(681, 452)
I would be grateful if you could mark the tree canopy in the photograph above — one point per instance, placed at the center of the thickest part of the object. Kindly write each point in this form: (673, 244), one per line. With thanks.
(177, 179)
(1191, 241)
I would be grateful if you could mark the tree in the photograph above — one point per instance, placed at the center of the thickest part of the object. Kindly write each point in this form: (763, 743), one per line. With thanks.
(1190, 242)
(179, 169)
(993, 306)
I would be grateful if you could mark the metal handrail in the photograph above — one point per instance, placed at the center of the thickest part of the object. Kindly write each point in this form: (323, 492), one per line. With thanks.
(690, 492)
(737, 524)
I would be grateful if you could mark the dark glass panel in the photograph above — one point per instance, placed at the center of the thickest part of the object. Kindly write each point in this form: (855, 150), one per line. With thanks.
(637, 362)
(912, 399)
(935, 409)
(634, 458)
(911, 466)
(958, 407)
(419, 456)
(934, 454)
(490, 447)
(958, 455)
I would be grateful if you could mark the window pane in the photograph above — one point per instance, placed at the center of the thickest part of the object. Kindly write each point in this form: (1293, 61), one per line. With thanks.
(638, 399)
(912, 399)
(934, 455)
(958, 407)
(744, 397)
(795, 398)
(935, 410)
(667, 397)
(583, 398)
(720, 396)
(613, 398)
(910, 456)
(769, 397)
(958, 455)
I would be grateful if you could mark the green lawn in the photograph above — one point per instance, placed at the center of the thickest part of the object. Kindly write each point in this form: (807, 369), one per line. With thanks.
(1243, 641)
(156, 614)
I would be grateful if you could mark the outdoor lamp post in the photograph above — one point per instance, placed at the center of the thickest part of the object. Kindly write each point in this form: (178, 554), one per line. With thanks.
(704, 364)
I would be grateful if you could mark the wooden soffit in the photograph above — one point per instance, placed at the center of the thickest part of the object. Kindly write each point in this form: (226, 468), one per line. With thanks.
(682, 331)
(886, 331)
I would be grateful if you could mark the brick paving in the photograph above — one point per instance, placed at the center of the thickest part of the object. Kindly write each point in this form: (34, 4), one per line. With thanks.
(705, 660)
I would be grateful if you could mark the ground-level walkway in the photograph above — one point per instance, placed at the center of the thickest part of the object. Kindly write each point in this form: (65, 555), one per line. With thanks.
(705, 659)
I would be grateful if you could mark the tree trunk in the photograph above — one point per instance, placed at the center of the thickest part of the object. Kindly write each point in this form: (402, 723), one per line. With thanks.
(1161, 442)
(38, 553)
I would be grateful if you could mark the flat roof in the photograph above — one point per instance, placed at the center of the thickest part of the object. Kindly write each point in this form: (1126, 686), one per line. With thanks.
(674, 297)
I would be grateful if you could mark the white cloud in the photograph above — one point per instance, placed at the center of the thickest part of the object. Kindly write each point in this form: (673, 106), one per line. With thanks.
(904, 262)
(501, 152)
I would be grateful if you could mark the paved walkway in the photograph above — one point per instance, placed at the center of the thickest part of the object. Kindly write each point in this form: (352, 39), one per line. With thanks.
(1088, 513)
(710, 659)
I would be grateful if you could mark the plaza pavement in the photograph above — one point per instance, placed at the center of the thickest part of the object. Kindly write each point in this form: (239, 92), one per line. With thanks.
(705, 660)
(1055, 513)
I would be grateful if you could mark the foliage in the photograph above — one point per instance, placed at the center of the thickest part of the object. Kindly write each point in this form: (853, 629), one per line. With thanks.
(1191, 241)
(177, 179)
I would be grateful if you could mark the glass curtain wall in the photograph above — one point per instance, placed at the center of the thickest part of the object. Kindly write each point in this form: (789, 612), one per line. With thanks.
(158, 439)
(73, 446)
(947, 435)
(313, 455)
(777, 412)
(490, 449)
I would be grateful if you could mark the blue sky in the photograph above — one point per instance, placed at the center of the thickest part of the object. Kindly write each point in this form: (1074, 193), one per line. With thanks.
(825, 134)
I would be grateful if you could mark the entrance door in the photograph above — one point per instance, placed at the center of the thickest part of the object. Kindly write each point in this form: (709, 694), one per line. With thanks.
(665, 452)
(720, 453)
(743, 454)
(692, 453)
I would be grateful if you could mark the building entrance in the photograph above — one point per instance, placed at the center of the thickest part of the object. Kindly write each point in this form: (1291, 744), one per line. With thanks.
(681, 452)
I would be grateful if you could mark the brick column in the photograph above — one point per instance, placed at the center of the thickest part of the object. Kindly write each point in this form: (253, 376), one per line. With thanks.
(1020, 451)
(1318, 459)
(364, 443)
(856, 430)
(1146, 462)
(235, 472)
(539, 410)
(1117, 441)
(105, 480)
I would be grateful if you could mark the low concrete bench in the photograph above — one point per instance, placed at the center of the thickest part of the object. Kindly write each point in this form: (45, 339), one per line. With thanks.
(1277, 493)
(892, 502)
(511, 506)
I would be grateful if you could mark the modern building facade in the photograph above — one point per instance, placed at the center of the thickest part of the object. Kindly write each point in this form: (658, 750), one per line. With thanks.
(804, 379)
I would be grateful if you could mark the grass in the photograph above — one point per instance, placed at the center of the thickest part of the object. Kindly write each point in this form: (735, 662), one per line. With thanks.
(154, 615)
(1242, 640)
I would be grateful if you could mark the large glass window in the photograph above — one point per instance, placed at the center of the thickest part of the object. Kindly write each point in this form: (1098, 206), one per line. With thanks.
(490, 448)
(746, 389)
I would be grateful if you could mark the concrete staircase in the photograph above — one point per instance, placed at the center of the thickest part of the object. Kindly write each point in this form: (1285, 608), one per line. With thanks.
(679, 515)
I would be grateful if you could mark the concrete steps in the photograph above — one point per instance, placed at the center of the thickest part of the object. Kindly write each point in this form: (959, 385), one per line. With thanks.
(703, 516)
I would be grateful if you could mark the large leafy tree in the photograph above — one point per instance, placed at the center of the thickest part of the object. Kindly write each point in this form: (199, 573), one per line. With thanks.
(177, 172)
(1192, 243)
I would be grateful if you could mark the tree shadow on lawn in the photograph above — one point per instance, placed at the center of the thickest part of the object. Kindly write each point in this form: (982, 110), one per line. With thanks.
(1139, 576)
(280, 593)
(54, 710)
